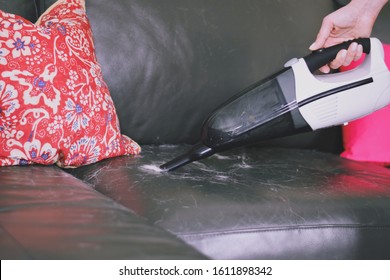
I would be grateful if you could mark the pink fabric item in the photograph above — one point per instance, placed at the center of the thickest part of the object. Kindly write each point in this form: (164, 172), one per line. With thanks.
(368, 139)
(54, 105)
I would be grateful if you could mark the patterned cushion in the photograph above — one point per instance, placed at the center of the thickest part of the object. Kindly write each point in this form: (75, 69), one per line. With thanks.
(54, 105)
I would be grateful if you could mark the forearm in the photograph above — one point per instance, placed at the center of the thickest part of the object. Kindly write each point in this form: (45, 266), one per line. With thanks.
(370, 8)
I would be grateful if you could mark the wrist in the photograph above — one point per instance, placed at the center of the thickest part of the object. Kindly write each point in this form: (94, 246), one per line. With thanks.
(370, 8)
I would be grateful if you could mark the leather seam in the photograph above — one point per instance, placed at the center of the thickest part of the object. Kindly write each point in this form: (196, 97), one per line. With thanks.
(252, 231)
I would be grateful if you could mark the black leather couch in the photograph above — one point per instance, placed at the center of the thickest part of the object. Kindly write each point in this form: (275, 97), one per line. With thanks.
(168, 65)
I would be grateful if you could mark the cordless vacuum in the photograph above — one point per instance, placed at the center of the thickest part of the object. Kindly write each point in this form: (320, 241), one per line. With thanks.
(295, 100)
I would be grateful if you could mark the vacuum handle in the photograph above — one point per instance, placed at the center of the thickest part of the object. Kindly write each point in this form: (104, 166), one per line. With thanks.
(323, 56)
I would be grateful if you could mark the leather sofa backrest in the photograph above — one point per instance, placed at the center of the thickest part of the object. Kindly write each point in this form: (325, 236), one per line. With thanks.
(44, 4)
(25, 8)
(170, 63)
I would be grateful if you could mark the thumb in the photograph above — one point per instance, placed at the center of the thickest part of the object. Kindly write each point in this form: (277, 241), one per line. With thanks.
(322, 36)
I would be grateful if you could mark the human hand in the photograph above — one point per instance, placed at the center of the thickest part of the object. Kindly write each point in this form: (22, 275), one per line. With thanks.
(350, 22)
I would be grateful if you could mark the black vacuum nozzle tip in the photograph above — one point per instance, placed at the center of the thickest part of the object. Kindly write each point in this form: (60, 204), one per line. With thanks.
(197, 152)
(174, 164)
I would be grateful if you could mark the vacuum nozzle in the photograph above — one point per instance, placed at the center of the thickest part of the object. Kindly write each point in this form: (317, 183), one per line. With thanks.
(197, 152)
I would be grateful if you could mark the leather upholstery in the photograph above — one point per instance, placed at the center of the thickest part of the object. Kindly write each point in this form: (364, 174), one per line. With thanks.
(182, 60)
(25, 8)
(168, 65)
(257, 203)
(47, 214)
(44, 4)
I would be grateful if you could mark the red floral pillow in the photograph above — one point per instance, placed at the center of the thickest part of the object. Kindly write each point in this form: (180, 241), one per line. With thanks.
(54, 104)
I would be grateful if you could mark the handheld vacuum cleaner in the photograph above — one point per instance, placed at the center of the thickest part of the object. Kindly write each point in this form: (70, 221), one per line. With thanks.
(295, 100)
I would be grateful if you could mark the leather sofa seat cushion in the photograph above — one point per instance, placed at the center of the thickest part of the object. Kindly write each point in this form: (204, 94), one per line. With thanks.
(271, 203)
(46, 213)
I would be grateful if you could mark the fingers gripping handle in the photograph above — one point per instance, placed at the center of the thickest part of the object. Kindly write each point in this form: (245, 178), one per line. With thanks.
(319, 58)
